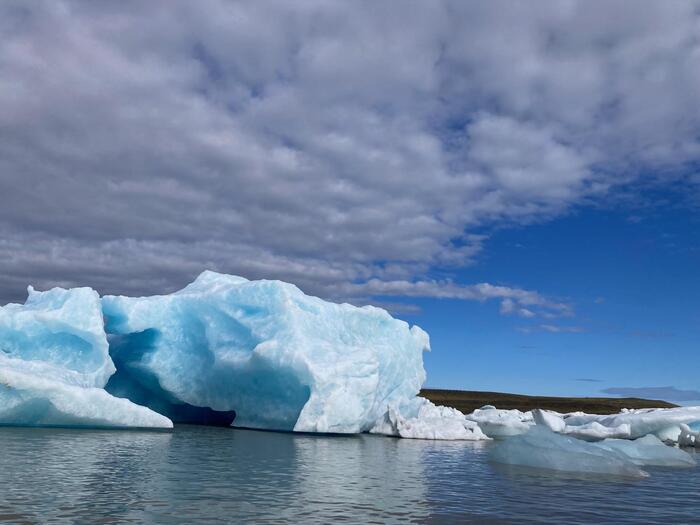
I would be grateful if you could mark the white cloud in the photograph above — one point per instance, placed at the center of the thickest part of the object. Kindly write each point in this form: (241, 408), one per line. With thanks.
(352, 148)
(552, 329)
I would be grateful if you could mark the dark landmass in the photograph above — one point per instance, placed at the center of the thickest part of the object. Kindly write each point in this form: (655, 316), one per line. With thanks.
(467, 401)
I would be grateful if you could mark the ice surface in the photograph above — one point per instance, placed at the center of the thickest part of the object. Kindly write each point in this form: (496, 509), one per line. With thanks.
(594, 431)
(552, 420)
(662, 422)
(688, 437)
(61, 329)
(649, 450)
(281, 359)
(54, 362)
(28, 399)
(541, 448)
(421, 419)
(498, 423)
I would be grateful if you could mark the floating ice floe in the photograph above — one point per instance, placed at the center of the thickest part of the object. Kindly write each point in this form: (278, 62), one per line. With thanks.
(555, 445)
(649, 450)
(54, 362)
(664, 423)
(541, 448)
(688, 438)
(281, 359)
(421, 419)
(592, 431)
(496, 423)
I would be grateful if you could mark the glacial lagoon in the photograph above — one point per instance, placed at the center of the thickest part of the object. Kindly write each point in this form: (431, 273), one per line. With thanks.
(197, 474)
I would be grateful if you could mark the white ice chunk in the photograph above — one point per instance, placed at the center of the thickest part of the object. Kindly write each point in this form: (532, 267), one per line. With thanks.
(594, 431)
(649, 450)
(281, 359)
(35, 400)
(59, 327)
(541, 448)
(688, 438)
(497, 423)
(421, 419)
(551, 420)
(662, 422)
(54, 362)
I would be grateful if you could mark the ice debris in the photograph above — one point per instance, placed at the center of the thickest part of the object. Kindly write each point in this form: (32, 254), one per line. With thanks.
(497, 423)
(551, 420)
(662, 422)
(592, 431)
(688, 438)
(54, 362)
(421, 419)
(649, 450)
(541, 448)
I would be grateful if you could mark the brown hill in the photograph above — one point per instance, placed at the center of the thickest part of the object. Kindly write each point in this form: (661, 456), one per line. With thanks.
(467, 401)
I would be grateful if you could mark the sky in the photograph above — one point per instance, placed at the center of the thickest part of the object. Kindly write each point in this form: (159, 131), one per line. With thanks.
(519, 179)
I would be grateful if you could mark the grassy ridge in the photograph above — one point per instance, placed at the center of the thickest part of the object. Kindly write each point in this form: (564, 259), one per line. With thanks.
(466, 402)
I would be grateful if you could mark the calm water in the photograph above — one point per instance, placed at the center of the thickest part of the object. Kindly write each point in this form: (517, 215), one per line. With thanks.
(220, 475)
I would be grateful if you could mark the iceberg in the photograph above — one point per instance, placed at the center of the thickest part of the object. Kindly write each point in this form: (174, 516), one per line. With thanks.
(541, 448)
(592, 431)
(552, 420)
(499, 423)
(280, 359)
(649, 450)
(421, 419)
(54, 363)
(687, 437)
(662, 422)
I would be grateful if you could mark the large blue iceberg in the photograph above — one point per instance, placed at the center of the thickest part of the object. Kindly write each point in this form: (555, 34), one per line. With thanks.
(263, 349)
(54, 363)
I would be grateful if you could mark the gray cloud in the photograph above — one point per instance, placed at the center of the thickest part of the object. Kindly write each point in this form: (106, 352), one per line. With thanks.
(667, 393)
(354, 149)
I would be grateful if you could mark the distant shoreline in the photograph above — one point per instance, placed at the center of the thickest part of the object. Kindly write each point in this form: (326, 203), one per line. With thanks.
(468, 401)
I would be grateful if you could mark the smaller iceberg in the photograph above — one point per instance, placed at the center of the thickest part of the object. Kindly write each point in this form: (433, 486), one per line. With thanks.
(54, 363)
(497, 423)
(421, 419)
(592, 431)
(687, 437)
(551, 420)
(541, 448)
(662, 422)
(649, 450)
(29, 399)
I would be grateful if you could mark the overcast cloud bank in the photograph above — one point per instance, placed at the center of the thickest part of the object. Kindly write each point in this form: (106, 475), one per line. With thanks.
(355, 149)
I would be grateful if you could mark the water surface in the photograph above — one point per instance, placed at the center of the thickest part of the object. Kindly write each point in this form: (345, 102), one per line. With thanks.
(222, 475)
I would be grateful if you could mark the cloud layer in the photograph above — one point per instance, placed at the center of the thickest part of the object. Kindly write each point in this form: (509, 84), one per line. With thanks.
(355, 149)
(667, 393)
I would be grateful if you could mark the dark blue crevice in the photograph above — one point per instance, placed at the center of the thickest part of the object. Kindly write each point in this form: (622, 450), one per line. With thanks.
(133, 382)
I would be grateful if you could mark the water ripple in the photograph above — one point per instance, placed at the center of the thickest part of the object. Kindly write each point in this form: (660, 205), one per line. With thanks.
(218, 475)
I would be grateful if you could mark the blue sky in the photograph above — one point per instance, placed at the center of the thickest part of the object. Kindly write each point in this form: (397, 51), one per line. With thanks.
(632, 277)
(521, 179)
